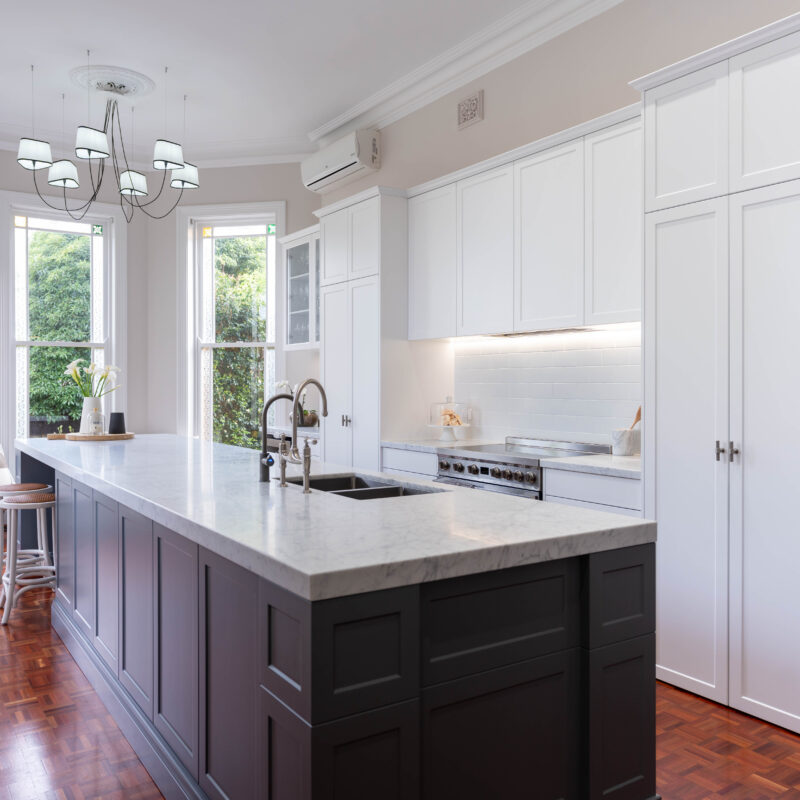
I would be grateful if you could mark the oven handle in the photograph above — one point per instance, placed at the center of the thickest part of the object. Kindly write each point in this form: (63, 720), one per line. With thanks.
(490, 487)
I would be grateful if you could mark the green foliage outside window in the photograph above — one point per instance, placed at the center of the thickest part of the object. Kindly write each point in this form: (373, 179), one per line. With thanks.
(240, 276)
(59, 303)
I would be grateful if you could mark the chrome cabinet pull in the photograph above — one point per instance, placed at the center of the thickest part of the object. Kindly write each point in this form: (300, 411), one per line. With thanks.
(718, 451)
(732, 451)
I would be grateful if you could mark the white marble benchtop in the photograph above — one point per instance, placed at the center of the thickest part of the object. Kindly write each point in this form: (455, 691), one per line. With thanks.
(320, 545)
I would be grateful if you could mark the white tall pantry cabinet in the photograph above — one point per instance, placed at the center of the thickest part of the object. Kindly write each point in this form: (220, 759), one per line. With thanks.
(374, 383)
(722, 373)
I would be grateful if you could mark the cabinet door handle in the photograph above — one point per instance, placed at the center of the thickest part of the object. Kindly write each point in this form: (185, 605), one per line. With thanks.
(732, 451)
(344, 424)
(718, 451)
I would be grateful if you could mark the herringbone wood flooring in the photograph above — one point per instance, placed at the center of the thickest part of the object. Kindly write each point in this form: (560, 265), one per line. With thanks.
(56, 738)
(58, 741)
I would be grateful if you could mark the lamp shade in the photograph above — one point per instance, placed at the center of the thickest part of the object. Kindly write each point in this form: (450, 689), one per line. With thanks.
(91, 143)
(185, 178)
(63, 173)
(133, 183)
(167, 155)
(34, 154)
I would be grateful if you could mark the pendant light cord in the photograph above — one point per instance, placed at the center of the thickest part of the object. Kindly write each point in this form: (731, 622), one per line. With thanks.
(33, 107)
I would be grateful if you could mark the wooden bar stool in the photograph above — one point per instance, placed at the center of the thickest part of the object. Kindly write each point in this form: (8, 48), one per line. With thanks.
(21, 576)
(41, 552)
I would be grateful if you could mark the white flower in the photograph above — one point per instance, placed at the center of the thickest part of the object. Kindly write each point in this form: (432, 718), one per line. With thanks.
(72, 368)
(283, 386)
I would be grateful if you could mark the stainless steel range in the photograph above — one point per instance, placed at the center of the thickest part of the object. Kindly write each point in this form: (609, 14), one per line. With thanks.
(512, 467)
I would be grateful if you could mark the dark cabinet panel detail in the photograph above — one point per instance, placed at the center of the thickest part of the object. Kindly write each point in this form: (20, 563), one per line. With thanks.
(136, 607)
(368, 756)
(106, 578)
(365, 652)
(480, 622)
(285, 650)
(621, 601)
(621, 724)
(65, 543)
(84, 559)
(504, 732)
(175, 711)
(228, 677)
(285, 757)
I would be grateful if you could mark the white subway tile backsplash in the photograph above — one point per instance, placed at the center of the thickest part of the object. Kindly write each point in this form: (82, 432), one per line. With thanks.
(574, 385)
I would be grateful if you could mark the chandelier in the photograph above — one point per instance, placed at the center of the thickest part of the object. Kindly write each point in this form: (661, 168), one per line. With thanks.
(98, 147)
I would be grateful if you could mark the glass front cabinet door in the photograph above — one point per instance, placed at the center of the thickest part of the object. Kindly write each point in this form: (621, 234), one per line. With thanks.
(301, 281)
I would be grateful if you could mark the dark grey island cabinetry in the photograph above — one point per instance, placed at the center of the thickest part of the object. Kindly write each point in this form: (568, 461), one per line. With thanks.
(534, 681)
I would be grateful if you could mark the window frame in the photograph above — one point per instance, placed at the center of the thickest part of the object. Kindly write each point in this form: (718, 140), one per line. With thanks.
(190, 221)
(114, 300)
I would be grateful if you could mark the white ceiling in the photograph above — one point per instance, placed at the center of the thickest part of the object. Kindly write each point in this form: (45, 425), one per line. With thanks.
(260, 76)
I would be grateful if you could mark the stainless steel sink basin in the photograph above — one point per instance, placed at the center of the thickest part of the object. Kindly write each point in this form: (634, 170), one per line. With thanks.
(359, 488)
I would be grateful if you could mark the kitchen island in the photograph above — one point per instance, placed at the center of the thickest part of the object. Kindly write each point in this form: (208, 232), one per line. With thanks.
(254, 641)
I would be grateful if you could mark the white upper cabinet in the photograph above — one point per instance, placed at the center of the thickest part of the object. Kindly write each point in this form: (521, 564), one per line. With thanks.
(686, 140)
(765, 114)
(351, 242)
(335, 241)
(432, 256)
(548, 290)
(613, 216)
(486, 252)
(365, 238)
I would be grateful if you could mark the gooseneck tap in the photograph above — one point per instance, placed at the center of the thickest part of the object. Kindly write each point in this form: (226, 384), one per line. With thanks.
(295, 459)
(263, 472)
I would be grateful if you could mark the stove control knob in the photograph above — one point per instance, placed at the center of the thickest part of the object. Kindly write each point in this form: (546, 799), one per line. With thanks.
(443, 465)
(496, 472)
(518, 476)
(507, 474)
(530, 477)
(458, 467)
(473, 469)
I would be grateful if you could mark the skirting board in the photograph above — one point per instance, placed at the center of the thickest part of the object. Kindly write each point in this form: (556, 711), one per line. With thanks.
(166, 771)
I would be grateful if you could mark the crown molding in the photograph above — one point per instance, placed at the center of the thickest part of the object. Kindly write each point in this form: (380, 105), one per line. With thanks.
(531, 25)
(367, 194)
(722, 52)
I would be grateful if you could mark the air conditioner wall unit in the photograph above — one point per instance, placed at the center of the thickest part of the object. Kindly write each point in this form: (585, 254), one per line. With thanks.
(348, 158)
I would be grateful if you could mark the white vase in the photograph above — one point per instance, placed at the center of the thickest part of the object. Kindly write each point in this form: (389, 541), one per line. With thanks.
(89, 405)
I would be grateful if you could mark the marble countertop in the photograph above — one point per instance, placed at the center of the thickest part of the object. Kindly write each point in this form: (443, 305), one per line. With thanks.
(320, 545)
(602, 464)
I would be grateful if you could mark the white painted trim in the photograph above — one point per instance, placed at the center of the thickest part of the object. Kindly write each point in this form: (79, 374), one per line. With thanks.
(630, 112)
(311, 230)
(184, 317)
(367, 194)
(116, 266)
(722, 52)
(531, 25)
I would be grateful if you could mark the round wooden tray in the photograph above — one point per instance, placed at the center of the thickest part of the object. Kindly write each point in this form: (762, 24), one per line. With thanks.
(93, 437)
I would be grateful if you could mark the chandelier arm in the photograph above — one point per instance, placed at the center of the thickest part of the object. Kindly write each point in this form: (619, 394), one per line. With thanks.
(153, 200)
(41, 196)
(166, 213)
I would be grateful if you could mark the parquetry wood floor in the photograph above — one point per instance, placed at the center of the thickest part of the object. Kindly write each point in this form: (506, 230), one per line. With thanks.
(57, 741)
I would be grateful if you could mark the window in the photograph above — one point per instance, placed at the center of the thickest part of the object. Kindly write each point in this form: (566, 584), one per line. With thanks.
(60, 314)
(235, 324)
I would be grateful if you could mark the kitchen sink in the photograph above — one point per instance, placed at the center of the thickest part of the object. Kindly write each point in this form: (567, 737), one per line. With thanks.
(360, 488)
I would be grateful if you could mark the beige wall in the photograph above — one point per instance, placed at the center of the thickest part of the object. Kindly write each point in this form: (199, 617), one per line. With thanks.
(573, 78)
(232, 185)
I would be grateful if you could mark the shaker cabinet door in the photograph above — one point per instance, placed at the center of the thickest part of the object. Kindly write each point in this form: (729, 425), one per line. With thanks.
(106, 624)
(765, 380)
(613, 224)
(432, 270)
(83, 614)
(764, 114)
(365, 238)
(336, 368)
(65, 543)
(486, 253)
(686, 345)
(686, 139)
(335, 244)
(548, 284)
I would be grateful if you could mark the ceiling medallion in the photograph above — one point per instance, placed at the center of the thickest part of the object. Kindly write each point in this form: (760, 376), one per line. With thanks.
(99, 145)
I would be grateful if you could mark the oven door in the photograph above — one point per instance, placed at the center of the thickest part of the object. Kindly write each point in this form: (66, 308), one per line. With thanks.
(465, 483)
